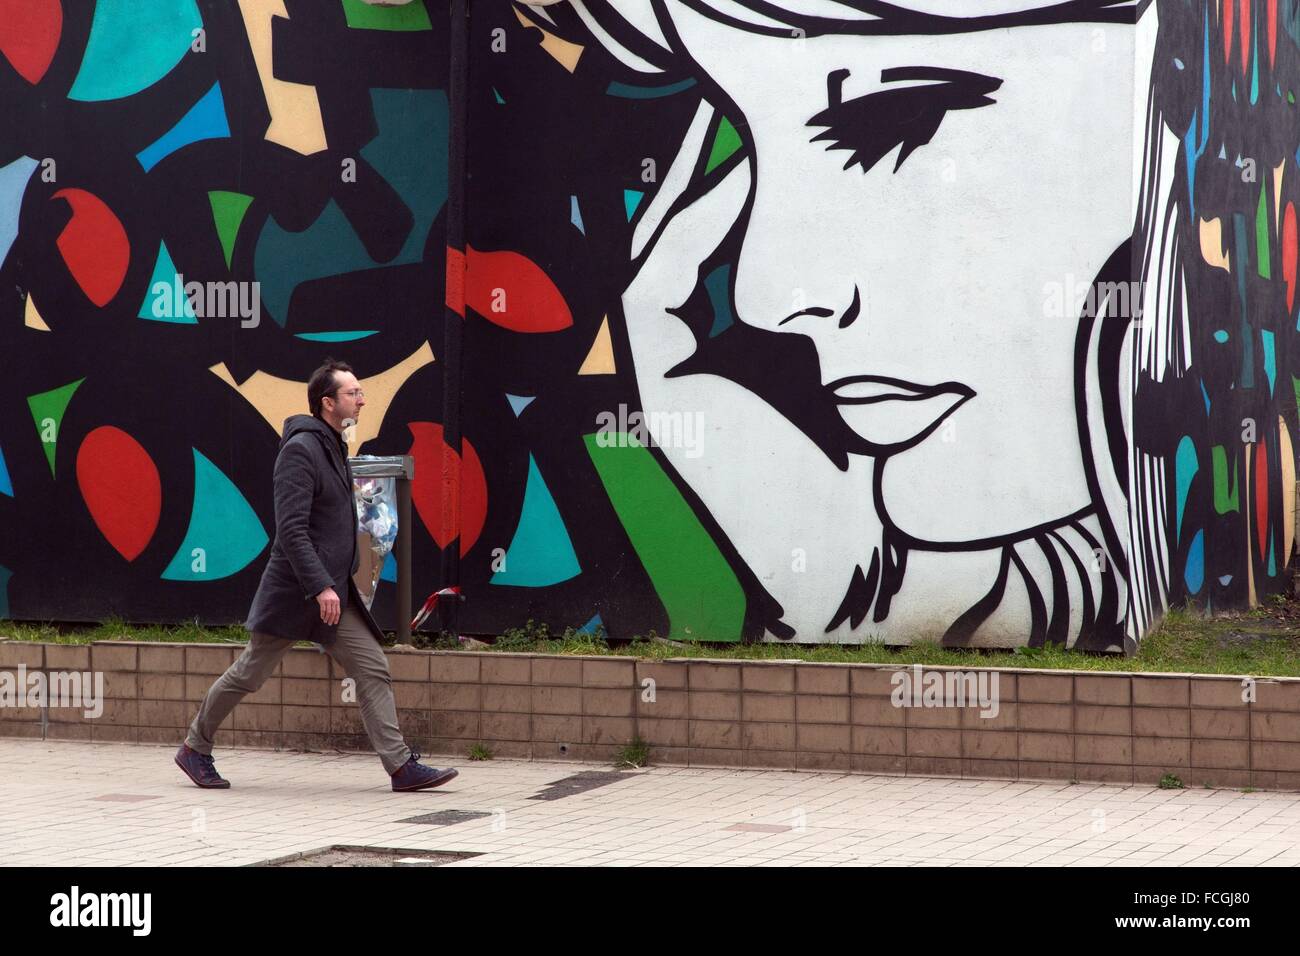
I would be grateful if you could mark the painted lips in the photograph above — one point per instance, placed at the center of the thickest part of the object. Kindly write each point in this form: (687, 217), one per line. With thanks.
(894, 414)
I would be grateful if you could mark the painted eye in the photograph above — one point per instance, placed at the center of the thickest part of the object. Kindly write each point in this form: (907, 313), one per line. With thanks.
(870, 126)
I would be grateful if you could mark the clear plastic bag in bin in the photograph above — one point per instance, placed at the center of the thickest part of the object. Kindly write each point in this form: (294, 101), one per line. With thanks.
(376, 500)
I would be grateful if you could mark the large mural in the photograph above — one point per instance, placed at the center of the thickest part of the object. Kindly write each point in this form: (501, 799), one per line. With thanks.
(812, 320)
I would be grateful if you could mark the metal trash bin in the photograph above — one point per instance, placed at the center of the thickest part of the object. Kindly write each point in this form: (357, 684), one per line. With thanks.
(399, 469)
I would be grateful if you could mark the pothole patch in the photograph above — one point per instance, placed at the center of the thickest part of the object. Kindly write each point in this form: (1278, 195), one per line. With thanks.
(339, 855)
(446, 818)
(580, 783)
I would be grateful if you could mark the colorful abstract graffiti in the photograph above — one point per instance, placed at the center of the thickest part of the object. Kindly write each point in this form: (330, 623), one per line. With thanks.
(814, 320)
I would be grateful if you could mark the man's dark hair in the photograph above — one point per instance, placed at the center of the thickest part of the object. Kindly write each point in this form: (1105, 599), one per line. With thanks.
(322, 383)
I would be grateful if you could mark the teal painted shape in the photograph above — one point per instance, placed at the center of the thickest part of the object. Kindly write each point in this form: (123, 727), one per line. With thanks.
(389, 571)
(500, 101)
(631, 199)
(133, 45)
(1270, 361)
(1221, 336)
(5, 575)
(6, 483)
(1194, 570)
(519, 402)
(335, 336)
(1225, 579)
(1254, 78)
(1272, 560)
(718, 286)
(222, 524)
(410, 153)
(1185, 468)
(164, 300)
(575, 215)
(541, 553)
(205, 120)
(629, 92)
(591, 626)
(1206, 396)
(13, 183)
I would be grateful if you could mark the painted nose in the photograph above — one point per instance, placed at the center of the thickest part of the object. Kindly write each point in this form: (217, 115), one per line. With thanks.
(846, 317)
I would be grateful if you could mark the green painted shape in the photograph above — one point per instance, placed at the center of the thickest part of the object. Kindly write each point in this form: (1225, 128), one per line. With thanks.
(699, 591)
(725, 142)
(222, 523)
(133, 45)
(1295, 387)
(1261, 236)
(1223, 501)
(164, 271)
(52, 405)
(541, 552)
(362, 16)
(228, 210)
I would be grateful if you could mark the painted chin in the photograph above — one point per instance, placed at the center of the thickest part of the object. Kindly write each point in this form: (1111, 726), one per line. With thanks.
(892, 415)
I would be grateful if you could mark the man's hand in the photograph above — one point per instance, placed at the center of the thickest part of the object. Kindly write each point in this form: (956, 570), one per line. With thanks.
(329, 606)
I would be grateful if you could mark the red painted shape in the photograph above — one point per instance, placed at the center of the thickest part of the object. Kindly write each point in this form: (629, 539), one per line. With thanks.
(432, 454)
(1245, 35)
(120, 485)
(94, 245)
(455, 285)
(1261, 498)
(29, 35)
(1228, 20)
(1272, 32)
(1289, 249)
(524, 297)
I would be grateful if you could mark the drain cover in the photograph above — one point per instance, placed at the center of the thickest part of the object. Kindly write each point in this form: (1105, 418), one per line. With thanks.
(579, 783)
(446, 818)
(367, 856)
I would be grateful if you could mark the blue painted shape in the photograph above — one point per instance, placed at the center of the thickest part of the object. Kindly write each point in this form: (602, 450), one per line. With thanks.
(1185, 468)
(222, 523)
(389, 571)
(1194, 144)
(1272, 560)
(1270, 362)
(519, 402)
(1225, 579)
(1223, 151)
(5, 575)
(6, 483)
(336, 336)
(410, 152)
(500, 101)
(630, 92)
(575, 215)
(133, 45)
(591, 626)
(1221, 336)
(718, 286)
(13, 183)
(205, 120)
(631, 199)
(159, 303)
(1179, 63)
(1194, 571)
(541, 553)
(1206, 396)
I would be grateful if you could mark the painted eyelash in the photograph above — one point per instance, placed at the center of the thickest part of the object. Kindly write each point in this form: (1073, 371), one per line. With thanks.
(871, 126)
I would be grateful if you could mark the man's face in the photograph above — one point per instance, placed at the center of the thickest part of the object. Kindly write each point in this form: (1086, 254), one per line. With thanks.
(344, 406)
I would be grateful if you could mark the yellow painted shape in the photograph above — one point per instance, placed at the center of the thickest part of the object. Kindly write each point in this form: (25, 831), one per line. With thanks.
(562, 51)
(600, 360)
(1212, 250)
(1288, 488)
(1277, 201)
(32, 317)
(277, 398)
(296, 121)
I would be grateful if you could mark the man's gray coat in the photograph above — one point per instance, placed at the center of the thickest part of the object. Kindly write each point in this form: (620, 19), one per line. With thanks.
(315, 536)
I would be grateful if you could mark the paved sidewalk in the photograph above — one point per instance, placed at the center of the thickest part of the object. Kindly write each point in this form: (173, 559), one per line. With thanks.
(65, 803)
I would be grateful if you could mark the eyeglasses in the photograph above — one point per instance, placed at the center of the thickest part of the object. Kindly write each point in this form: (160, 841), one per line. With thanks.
(354, 392)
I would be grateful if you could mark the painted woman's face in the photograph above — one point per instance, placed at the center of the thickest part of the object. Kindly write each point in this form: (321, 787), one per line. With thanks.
(927, 210)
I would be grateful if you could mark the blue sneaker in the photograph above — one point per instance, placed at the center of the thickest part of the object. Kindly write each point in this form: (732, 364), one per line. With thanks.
(199, 768)
(414, 775)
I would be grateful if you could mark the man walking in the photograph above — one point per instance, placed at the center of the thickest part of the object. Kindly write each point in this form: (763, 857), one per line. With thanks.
(306, 592)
